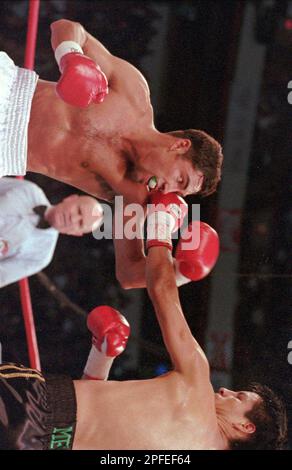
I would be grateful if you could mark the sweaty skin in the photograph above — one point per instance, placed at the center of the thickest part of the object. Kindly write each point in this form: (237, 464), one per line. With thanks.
(108, 148)
(178, 410)
(91, 148)
(161, 413)
(83, 148)
(174, 411)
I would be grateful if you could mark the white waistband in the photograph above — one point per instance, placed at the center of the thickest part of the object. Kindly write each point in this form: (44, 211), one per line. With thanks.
(15, 102)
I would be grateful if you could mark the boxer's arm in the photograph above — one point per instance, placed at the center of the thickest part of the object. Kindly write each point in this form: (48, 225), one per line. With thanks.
(186, 354)
(129, 253)
(117, 71)
(66, 30)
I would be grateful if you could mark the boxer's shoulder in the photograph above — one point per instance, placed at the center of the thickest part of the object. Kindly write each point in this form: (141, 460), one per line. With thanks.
(44, 86)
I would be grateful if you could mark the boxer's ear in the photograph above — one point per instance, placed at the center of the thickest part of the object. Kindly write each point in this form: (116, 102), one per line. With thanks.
(247, 427)
(181, 146)
(199, 182)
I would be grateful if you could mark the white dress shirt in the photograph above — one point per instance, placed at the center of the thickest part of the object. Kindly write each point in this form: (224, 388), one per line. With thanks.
(24, 248)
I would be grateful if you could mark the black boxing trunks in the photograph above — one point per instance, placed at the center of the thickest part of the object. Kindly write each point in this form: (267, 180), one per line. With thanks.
(37, 412)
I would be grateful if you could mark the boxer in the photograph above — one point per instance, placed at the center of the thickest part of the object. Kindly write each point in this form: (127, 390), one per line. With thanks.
(178, 410)
(94, 129)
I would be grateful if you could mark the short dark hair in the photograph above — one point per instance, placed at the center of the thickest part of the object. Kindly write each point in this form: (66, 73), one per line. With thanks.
(205, 155)
(270, 419)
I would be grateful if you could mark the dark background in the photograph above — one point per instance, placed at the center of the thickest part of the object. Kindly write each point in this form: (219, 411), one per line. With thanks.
(202, 47)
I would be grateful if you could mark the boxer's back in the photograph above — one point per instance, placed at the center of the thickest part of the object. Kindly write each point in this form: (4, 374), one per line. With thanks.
(161, 413)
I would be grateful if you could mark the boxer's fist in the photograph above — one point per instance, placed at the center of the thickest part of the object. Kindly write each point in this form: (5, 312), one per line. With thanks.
(82, 82)
(194, 264)
(110, 330)
(166, 213)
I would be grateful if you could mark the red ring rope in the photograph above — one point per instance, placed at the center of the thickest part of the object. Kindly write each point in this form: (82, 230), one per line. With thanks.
(25, 297)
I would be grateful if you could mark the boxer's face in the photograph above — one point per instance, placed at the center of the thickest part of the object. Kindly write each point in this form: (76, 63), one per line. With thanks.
(233, 406)
(76, 215)
(174, 175)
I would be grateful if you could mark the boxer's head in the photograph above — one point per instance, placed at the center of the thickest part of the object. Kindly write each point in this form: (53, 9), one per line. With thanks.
(75, 215)
(252, 419)
(189, 163)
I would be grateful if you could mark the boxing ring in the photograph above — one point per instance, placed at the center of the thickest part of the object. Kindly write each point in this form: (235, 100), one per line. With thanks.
(25, 296)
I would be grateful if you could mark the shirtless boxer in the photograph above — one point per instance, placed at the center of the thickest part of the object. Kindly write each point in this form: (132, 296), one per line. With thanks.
(178, 410)
(104, 142)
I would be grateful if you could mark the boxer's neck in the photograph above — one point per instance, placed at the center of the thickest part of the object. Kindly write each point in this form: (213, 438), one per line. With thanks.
(137, 146)
(225, 428)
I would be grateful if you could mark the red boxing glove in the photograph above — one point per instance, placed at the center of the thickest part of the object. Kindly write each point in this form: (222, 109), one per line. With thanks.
(166, 213)
(110, 330)
(82, 82)
(193, 264)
